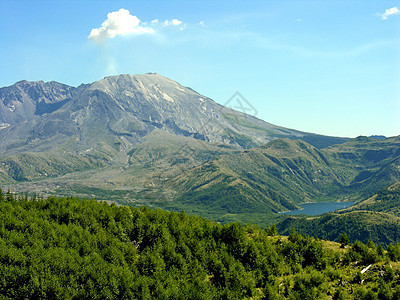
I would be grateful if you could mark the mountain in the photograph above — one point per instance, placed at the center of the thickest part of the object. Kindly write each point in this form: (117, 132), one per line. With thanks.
(371, 164)
(271, 178)
(118, 111)
(50, 129)
(146, 139)
(25, 101)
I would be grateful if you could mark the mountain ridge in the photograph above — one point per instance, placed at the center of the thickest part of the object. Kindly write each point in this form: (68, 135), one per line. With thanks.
(131, 106)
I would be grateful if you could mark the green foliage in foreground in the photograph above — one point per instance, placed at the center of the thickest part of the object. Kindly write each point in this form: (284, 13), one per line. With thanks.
(83, 249)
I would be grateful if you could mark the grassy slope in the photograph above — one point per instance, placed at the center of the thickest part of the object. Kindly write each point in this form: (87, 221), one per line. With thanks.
(379, 227)
(37, 166)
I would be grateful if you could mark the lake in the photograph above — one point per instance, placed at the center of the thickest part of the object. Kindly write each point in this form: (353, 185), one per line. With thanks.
(314, 209)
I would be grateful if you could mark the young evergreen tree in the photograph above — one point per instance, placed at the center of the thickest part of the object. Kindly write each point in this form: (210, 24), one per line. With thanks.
(344, 240)
(271, 231)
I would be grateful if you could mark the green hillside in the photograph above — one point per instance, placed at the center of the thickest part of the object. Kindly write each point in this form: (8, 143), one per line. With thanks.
(284, 173)
(267, 179)
(376, 218)
(137, 176)
(79, 249)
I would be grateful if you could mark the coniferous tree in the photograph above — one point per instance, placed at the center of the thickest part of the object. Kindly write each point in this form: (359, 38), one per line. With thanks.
(344, 240)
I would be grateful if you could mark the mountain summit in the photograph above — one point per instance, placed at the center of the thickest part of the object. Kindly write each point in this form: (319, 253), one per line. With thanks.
(126, 108)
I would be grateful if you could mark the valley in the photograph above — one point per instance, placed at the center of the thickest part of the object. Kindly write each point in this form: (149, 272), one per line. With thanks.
(146, 140)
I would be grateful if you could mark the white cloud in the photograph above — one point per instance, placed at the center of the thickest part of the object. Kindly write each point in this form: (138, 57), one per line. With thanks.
(155, 21)
(119, 22)
(174, 22)
(202, 24)
(389, 12)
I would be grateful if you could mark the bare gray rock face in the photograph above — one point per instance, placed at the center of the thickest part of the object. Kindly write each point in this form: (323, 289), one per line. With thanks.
(125, 109)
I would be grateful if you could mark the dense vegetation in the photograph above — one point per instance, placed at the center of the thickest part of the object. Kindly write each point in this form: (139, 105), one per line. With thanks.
(68, 248)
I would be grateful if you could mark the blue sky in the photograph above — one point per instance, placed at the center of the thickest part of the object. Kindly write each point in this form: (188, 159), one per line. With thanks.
(329, 67)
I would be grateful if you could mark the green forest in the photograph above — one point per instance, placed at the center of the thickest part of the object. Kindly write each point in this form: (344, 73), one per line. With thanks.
(68, 248)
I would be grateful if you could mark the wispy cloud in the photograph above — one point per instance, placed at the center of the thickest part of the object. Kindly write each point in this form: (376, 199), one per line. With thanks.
(389, 12)
(313, 51)
(173, 22)
(118, 23)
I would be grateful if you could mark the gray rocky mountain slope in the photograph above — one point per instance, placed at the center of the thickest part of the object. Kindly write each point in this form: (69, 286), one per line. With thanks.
(119, 111)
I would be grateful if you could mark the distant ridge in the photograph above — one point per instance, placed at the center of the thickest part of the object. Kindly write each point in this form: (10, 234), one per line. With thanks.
(378, 137)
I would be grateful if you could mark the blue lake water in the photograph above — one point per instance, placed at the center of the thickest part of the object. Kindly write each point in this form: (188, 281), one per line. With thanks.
(314, 209)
